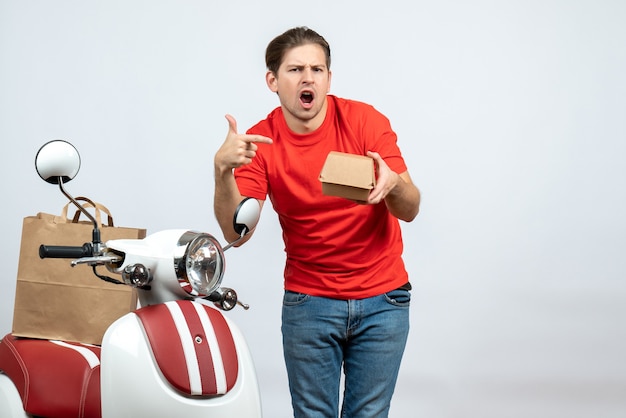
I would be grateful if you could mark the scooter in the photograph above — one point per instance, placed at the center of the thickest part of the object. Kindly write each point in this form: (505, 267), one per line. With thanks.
(177, 355)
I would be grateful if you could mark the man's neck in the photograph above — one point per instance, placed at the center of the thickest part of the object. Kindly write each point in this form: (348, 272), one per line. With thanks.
(305, 126)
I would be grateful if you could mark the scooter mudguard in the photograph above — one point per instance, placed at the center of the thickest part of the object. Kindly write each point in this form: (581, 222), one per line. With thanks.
(179, 358)
(50, 378)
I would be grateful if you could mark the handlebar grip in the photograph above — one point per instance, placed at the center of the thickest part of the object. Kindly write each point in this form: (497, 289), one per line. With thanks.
(61, 251)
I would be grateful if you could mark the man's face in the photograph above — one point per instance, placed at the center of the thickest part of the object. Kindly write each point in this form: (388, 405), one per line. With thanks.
(302, 82)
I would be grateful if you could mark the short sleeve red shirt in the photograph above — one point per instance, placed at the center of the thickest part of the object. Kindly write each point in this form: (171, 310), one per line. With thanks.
(335, 248)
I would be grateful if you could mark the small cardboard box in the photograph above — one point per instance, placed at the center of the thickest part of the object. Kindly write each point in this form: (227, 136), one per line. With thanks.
(348, 175)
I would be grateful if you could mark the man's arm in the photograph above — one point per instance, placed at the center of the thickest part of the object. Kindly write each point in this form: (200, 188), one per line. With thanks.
(403, 201)
(401, 196)
(236, 151)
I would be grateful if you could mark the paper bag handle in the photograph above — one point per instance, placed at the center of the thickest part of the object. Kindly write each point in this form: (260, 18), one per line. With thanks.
(98, 208)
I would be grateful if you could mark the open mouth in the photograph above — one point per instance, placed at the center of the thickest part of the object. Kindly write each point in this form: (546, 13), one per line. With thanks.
(306, 97)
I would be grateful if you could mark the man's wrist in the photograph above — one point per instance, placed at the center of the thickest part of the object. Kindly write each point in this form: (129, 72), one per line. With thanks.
(222, 170)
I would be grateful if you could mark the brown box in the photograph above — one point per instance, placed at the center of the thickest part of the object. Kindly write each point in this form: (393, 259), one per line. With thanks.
(348, 175)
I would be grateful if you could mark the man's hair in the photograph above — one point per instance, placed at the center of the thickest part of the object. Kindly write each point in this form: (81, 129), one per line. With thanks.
(292, 38)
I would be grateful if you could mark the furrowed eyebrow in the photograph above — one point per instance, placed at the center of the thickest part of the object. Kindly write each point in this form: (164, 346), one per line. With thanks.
(301, 67)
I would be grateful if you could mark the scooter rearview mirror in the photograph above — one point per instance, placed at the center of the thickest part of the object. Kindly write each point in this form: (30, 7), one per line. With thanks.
(57, 161)
(246, 216)
(245, 219)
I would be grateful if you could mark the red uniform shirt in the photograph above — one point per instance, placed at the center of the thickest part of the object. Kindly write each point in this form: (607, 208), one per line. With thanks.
(335, 247)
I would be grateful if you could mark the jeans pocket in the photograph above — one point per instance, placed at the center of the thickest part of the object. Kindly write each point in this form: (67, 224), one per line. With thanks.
(398, 297)
(294, 298)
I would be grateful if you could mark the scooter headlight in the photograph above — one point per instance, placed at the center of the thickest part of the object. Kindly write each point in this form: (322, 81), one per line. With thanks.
(199, 263)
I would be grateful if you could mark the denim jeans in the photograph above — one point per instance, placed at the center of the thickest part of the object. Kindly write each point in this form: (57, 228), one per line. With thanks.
(366, 337)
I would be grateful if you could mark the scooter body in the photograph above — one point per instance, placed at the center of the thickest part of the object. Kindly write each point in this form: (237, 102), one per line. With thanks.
(10, 400)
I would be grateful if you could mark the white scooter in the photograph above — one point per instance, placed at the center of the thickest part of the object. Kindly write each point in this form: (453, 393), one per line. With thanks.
(175, 356)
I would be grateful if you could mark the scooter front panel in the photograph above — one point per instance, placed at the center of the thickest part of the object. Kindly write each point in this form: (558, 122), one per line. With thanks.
(192, 345)
(134, 386)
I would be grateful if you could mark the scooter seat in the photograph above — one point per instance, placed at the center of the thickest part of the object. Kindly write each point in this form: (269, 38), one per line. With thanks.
(53, 378)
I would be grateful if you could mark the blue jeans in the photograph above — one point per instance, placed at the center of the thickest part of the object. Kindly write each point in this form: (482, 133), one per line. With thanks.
(367, 337)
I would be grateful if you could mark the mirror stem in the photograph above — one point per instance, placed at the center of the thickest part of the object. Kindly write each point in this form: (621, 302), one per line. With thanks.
(96, 231)
(230, 244)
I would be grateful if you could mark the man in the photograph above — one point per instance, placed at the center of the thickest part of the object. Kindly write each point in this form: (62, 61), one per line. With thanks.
(347, 297)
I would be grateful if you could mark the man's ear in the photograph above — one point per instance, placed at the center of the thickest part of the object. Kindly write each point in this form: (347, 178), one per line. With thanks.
(330, 76)
(271, 80)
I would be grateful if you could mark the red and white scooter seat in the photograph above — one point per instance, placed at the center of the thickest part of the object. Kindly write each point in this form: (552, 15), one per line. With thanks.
(54, 378)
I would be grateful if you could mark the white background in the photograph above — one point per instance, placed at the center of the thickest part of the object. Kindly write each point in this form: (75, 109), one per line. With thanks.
(512, 119)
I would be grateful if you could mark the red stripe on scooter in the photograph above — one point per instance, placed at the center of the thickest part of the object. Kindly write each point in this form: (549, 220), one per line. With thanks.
(227, 346)
(167, 348)
(206, 365)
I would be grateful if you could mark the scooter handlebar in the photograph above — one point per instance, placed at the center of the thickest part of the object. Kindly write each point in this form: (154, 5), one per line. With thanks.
(62, 251)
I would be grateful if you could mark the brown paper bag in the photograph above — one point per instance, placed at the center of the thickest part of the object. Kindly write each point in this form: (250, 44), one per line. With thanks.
(56, 301)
